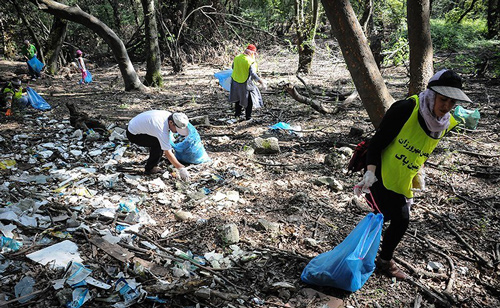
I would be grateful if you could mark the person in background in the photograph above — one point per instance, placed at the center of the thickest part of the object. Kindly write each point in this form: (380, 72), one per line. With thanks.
(407, 135)
(29, 51)
(81, 65)
(13, 95)
(244, 92)
(152, 129)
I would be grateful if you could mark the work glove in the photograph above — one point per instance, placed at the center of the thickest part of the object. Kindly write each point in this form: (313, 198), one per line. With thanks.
(367, 182)
(184, 174)
(8, 113)
(418, 181)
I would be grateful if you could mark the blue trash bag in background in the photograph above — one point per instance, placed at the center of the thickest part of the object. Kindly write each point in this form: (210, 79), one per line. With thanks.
(36, 100)
(35, 64)
(224, 79)
(191, 149)
(349, 265)
(469, 118)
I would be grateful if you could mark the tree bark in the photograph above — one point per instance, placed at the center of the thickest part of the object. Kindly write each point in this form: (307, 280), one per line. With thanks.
(75, 14)
(116, 15)
(153, 73)
(419, 38)
(367, 17)
(493, 18)
(359, 59)
(54, 44)
(307, 23)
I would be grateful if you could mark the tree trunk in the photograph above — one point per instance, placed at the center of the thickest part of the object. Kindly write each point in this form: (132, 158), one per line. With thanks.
(367, 17)
(116, 15)
(32, 33)
(75, 14)
(493, 18)
(359, 59)
(466, 11)
(54, 44)
(419, 38)
(153, 73)
(307, 23)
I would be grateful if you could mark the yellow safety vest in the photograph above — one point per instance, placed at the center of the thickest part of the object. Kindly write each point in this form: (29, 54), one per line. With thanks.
(241, 68)
(404, 156)
(10, 88)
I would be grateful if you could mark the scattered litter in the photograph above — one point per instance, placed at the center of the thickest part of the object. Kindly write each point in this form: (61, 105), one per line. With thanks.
(58, 255)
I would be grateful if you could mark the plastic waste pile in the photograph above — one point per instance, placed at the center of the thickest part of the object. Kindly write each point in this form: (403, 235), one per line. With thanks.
(63, 192)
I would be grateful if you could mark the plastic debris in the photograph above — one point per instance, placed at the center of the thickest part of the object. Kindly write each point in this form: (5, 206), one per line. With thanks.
(58, 255)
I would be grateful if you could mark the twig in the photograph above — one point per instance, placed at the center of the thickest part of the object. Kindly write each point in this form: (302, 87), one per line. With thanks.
(264, 164)
(23, 297)
(309, 90)
(419, 271)
(478, 154)
(460, 238)
(429, 292)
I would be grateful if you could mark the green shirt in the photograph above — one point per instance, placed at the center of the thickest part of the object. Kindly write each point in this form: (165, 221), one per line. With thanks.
(29, 51)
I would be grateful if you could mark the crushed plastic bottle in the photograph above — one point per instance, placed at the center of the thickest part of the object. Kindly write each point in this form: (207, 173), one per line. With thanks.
(8, 244)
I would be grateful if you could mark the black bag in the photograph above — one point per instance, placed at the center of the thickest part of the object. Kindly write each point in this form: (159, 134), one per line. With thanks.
(358, 159)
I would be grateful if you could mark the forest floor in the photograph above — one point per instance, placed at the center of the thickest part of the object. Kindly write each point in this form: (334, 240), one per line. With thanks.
(284, 216)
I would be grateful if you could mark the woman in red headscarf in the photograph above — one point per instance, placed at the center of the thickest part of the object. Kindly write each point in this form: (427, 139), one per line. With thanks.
(244, 92)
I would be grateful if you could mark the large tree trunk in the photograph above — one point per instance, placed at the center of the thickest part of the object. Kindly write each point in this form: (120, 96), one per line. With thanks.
(153, 73)
(359, 59)
(75, 14)
(54, 44)
(493, 18)
(419, 38)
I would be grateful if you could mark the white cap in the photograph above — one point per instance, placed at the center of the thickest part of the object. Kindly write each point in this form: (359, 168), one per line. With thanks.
(181, 122)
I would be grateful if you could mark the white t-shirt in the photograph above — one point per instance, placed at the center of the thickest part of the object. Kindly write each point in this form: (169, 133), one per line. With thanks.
(153, 123)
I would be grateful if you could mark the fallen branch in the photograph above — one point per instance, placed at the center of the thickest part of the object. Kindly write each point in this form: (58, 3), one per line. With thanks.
(437, 297)
(468, 246)
(264, 164)
(419, 271)
(305, 100)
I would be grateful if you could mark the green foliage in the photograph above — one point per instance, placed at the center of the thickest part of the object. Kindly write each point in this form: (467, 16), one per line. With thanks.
(456, 37)
(267, 13)
(397, 50)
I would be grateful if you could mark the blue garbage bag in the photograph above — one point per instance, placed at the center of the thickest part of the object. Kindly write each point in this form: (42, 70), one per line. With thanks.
(191, 149)
(88, 78)
(224, 78)
(349, 265)
(35, 64)
(36, 100)
(469, 118)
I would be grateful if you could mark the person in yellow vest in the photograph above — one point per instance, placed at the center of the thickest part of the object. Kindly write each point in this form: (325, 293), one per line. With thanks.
(407, 135)
(244, 92)
(13, 95)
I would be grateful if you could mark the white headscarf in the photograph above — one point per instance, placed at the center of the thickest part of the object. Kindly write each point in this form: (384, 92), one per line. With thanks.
(434, 124)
